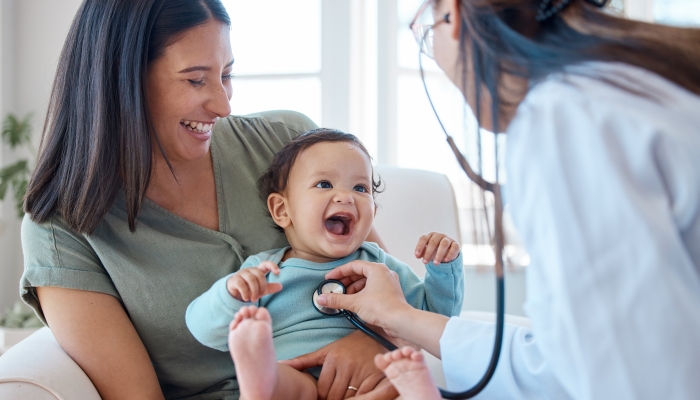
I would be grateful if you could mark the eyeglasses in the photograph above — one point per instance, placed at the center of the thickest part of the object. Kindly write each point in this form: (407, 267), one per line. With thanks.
(423, 32)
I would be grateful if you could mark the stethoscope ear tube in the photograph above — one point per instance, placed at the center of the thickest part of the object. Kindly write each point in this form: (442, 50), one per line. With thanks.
(500, 291)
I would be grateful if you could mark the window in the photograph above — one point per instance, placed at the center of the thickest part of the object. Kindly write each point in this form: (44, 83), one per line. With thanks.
(337, 63)
(353, 65)
(277, 56)
(677, 12)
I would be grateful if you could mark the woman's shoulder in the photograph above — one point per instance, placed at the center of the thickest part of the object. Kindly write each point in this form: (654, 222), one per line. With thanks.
(282, 123)
(48, 232)
(258, 136)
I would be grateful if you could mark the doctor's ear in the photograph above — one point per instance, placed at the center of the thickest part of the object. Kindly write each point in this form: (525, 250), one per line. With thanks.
(277, 205)
(450, 11)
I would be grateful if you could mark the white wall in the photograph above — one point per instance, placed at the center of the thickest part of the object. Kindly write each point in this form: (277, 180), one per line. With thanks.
(31, 36)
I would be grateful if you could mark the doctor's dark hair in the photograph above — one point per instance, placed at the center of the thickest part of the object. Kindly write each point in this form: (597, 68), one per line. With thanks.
(98, 132)
(277, 175)
(500, 37)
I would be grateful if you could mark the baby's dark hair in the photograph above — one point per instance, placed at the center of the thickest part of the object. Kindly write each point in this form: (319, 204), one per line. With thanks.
(277, 175)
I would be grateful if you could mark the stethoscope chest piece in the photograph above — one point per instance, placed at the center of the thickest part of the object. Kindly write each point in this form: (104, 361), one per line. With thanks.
(328, 286)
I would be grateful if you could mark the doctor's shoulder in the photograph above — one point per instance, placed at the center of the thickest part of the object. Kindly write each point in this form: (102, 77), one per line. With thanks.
(592, 94)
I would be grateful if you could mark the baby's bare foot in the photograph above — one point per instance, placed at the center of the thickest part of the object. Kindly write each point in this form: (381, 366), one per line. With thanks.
(250, 344)
(408, 373)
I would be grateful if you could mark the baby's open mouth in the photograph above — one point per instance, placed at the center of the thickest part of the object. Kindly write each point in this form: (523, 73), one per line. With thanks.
(340, 224)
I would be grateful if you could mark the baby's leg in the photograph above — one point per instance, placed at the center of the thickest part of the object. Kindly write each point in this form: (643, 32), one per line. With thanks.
(408, 373)
(259, 375)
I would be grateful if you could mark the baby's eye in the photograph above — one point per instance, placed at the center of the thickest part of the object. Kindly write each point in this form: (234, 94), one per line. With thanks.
(324, 185)
(360, 188)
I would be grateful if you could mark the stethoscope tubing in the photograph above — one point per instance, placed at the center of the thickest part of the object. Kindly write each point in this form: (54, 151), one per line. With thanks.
(352, 317)
(500, 286)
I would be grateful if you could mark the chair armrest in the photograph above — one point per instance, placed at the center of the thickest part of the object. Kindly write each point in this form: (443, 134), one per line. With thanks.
(435, 365)
(38, 368)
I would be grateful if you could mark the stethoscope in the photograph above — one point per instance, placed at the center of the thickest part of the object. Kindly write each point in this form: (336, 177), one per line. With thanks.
(337, 287)
(334, 286)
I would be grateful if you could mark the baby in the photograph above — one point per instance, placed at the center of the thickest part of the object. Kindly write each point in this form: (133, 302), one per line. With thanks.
(320, 190)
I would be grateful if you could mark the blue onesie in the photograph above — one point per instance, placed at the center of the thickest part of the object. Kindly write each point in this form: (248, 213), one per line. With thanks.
(297, 327)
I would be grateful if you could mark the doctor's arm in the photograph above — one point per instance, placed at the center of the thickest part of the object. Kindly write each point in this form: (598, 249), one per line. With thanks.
(465, 345)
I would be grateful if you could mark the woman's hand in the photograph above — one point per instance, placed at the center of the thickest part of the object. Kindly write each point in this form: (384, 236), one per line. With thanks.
(437, 247)
(377, 297)
(347, 362)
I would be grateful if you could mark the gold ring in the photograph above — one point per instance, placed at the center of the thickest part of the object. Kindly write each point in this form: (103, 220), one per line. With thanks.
(352, 388)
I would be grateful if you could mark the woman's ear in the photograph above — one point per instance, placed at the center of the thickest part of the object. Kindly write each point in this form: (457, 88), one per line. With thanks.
(277, 204)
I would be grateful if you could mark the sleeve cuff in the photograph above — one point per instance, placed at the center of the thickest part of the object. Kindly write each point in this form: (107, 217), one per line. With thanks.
(64, 278)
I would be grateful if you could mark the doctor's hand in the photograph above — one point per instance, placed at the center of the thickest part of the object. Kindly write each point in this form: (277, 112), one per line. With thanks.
(250, 284)
(437, 247)
(375, 293)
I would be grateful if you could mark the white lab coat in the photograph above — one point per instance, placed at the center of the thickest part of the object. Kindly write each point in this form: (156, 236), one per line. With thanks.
(604, 188)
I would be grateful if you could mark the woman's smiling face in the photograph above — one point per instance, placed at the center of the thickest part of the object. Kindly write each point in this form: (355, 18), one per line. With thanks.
(189, 89)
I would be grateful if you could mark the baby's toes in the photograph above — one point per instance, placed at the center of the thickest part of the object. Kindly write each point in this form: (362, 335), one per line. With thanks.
(261, 314)
(382, 360)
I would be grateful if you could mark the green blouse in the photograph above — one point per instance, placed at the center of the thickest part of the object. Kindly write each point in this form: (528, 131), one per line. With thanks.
(158, 270)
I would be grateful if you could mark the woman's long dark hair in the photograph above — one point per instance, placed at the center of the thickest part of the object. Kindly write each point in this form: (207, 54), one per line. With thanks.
(98, 131)
(502, 37)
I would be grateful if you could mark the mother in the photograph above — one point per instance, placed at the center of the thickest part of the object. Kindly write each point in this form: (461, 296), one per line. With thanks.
(144, 195)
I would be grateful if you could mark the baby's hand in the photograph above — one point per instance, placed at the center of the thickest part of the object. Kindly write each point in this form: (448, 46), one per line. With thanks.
(437, 247)
(249, 284)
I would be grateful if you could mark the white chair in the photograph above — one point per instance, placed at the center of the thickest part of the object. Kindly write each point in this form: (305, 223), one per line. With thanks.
(415, 202)
(37, 368)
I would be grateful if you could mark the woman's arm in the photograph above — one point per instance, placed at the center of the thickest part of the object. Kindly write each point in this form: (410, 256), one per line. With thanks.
(96, 332)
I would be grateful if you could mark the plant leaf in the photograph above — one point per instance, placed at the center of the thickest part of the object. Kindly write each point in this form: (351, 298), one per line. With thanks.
(15, 131)
(13, 174)
(20, 167)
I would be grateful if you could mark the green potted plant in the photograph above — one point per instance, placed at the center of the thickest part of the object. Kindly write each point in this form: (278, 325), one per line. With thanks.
(16, 133)
(19, 321)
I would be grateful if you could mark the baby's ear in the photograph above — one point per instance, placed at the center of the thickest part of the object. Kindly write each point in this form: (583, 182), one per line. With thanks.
(277, 204)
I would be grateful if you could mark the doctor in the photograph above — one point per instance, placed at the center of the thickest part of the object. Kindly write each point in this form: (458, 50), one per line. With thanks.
(603, 122)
